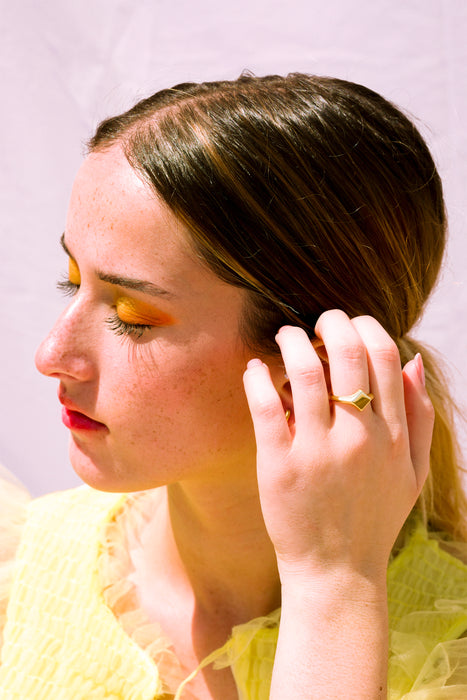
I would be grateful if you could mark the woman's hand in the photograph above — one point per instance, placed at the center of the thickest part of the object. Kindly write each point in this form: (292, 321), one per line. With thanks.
(337, 484)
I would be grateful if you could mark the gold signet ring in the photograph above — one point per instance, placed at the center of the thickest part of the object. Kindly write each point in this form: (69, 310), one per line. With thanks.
(360, 399)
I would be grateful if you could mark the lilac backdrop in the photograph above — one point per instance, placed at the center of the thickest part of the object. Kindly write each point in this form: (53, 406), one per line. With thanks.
(65, 64)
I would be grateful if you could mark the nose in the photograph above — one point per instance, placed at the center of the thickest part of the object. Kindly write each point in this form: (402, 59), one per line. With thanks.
(67, 350)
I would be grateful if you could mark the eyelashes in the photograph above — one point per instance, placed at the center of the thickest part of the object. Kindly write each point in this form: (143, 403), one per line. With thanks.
(66, 287)
(115, 323)
(120, 327)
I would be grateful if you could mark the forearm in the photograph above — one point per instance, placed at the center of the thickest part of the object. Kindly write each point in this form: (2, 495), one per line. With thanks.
(333, 641)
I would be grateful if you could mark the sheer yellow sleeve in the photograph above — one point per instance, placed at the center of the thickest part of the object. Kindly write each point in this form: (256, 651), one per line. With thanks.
(13, 501)
(427, 584)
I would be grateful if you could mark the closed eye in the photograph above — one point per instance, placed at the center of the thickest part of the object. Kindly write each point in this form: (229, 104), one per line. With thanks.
(120, 327)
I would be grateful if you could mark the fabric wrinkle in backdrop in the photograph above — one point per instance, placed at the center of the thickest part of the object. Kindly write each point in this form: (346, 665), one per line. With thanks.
(65, 65)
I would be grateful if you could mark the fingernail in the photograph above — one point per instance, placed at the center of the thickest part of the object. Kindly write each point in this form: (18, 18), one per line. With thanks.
(254, 363)
(420, 368)
(282, 328)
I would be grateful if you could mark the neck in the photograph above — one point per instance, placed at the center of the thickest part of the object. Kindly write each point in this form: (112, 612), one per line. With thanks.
(225, 550)
(215, 547)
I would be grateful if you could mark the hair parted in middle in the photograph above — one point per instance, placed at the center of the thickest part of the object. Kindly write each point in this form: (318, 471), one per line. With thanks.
(315, 193)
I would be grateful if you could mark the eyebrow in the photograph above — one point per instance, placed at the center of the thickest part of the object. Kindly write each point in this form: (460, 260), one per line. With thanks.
(127, 282)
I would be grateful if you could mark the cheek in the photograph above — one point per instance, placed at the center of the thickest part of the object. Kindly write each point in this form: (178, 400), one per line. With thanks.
(163, 373)
(193, 388)
(164, 385)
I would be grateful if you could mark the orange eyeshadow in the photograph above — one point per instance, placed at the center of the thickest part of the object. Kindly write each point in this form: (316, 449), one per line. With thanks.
(139, 312)
(73, 272)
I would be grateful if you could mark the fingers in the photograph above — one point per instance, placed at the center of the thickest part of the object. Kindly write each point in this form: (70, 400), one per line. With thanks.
(384, 369)
(348, 365)
(309, 390)
(420, 418)
(307, 380)
(361, 355)
(360, 350)
(269, 421)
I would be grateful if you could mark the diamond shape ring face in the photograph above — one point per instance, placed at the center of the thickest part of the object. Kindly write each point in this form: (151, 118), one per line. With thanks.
(360, 399)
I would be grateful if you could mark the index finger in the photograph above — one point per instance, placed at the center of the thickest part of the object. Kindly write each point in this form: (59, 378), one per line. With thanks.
(269, 420)
(306, 375)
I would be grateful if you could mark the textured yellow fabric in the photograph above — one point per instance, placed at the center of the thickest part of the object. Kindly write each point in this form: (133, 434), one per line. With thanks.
(63, 641)
(60, 641)
(250, 652)
(13, 502)
(427, 598)
(427, 602)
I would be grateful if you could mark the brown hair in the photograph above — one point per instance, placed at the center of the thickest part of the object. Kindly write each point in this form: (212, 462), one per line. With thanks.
(312, 193)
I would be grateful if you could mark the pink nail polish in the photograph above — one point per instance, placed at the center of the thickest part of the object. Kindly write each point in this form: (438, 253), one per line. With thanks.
(420, 368)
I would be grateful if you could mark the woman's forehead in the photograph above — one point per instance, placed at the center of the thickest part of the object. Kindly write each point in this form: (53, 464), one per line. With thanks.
(117, 223)
(108, 171)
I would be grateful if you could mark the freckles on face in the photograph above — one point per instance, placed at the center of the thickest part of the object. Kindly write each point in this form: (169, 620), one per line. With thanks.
(178, 413)
(166, 363)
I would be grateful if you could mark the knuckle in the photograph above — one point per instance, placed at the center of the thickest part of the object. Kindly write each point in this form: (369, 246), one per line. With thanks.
(396, 441)
(386, 352)
(309, 374)
(398, 435)
(265, 409)
(352, 353)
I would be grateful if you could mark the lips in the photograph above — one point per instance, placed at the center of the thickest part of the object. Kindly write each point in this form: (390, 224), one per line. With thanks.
(75, 420)
(78, 421)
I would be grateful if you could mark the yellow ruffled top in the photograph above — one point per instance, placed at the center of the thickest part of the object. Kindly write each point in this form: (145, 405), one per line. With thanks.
(427, 584)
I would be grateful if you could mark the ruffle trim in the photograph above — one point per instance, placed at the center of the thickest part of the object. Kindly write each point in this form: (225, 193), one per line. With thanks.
(251, 645)
(121, 541)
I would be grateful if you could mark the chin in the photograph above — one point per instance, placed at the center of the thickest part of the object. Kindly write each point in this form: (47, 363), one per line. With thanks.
(94, 473)
(105, 474)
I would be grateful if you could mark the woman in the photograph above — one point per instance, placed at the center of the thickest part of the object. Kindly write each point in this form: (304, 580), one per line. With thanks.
(293, 227)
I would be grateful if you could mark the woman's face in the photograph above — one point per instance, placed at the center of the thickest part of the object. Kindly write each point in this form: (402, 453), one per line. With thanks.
(149, 346)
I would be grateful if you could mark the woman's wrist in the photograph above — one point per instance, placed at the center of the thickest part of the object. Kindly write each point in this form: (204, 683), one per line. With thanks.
(333, 639)
(314, 578)
(339, 589)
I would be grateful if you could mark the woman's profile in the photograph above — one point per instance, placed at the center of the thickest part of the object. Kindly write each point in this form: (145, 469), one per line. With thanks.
(273, 504)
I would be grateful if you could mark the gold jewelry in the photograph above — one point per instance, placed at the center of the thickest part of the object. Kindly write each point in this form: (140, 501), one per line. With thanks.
(287, 414)
(360, 400)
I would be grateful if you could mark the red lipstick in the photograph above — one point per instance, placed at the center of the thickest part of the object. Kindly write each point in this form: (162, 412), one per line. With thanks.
(78, 421)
